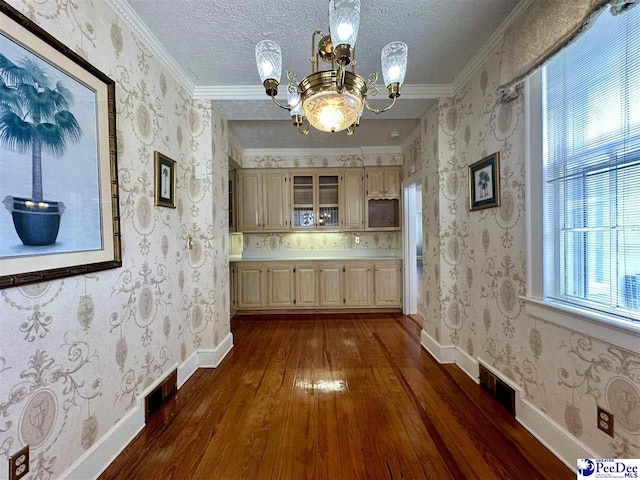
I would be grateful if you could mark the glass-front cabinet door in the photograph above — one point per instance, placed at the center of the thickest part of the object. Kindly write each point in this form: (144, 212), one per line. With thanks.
(316, 201)
(328, 202)
(304, 217)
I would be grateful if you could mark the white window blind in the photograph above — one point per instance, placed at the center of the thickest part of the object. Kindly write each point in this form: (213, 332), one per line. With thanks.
(592, 168)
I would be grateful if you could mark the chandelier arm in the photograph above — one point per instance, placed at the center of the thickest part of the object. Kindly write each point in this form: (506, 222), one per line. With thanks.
(315, 54)
(377, 111)
(284, 107)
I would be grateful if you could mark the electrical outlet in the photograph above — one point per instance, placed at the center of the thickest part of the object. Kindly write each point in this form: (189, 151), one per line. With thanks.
(357, 240)
(19, 464)
(605, 421)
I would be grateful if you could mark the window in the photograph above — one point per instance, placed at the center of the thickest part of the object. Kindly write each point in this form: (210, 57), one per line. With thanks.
(591, 130)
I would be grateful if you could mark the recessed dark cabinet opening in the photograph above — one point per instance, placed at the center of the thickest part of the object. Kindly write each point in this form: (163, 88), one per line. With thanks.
(384, 213)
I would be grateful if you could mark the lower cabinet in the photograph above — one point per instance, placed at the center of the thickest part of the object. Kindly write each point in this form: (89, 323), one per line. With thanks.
(331, 291)
(252, 286)
(280, 286)
(357, 285)
(318, 285)
(388, 285)
(307, 291)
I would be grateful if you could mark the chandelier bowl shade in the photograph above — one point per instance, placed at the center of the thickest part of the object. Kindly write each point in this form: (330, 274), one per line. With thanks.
(269, 60)
(344, 21)
(394, 63)
(327, 109)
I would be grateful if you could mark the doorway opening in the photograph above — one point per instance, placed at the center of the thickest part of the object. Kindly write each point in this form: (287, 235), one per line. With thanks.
(412, 246)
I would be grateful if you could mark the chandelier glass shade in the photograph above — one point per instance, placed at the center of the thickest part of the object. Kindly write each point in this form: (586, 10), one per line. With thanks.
(334, 99)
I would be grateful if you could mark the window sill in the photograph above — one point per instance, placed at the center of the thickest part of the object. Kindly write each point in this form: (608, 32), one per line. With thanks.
(608, 328)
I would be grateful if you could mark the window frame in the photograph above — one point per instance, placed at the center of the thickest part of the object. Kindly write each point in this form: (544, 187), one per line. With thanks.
(595, 323)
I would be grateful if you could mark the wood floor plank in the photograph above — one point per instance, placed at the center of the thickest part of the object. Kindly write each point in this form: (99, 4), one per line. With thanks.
(330, 397)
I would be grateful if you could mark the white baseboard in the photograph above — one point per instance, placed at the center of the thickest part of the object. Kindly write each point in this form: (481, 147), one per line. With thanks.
(548, 432)
(95, 460)
(551, 434)
(442, 353)
(211, 358)
(468, 364)
(187, 368)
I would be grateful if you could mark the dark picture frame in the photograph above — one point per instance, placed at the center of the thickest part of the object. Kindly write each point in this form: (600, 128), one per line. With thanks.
(35, 256)
(484, 183)
(164, 181)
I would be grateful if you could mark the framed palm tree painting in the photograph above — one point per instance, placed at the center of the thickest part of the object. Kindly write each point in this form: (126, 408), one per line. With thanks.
(165, 181)
(484, 183)
(58, 172)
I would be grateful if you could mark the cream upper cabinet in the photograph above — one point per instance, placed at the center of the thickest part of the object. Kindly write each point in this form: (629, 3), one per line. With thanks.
(249, 186)
(392, 183)
(388, 284)
(357, 285)
(375, 182)
(325, 199)
(383, 182)
(331, 293)
(307, 288)
(251, 286)
(275, 207)
(353, 204)
(280, 286)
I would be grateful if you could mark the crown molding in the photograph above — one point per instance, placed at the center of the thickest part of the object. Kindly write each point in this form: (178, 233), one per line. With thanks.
(319, 152)
(135, 23)
(390, 150)
(481, 57)
(256, 92)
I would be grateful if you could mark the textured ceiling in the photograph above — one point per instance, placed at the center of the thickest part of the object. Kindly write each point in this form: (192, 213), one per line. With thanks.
(214, 40)
(281, 134)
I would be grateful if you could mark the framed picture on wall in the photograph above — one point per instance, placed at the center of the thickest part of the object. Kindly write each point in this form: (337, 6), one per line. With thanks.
(484, 183)
(58, 182)
(165, 181)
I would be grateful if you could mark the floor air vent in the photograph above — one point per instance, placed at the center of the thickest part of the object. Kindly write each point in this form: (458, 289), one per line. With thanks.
(160, 394)
(502, 392)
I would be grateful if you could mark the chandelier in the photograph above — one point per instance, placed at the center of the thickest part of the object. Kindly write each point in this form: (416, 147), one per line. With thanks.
(332, 100)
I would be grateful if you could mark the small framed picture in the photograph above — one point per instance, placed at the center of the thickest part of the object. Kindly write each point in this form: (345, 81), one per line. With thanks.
(165, 181)
(484, 183)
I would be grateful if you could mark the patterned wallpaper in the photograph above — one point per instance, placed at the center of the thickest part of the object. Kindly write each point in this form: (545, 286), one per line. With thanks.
(322, 241)
(77, 351)
(317, 161)
(472, 288)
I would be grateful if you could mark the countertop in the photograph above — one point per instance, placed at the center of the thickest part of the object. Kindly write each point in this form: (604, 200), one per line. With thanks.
(315, 256)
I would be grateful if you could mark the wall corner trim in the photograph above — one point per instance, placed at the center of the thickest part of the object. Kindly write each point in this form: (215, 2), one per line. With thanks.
(545, 429)
(211, 358)
(187, 368)
(96, 459)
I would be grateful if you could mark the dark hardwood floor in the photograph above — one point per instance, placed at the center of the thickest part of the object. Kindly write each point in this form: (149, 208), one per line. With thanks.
(333, 397)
